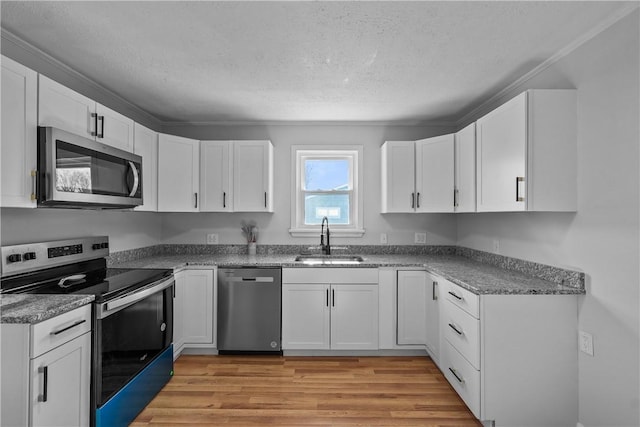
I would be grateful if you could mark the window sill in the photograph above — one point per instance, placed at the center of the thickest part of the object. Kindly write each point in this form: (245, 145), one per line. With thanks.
(308, 232)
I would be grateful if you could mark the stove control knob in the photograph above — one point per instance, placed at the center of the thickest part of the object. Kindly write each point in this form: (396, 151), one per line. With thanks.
(95, 246)
(104, 245)
(14, 258)
(29, 256)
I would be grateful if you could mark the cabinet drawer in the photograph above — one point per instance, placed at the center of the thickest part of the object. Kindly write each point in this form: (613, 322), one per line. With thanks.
(463, 332)
(464, 378)
(466, 300)
(329, 275)
(60, 329)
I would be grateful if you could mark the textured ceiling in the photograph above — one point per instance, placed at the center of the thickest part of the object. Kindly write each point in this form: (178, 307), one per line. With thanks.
(303, 61)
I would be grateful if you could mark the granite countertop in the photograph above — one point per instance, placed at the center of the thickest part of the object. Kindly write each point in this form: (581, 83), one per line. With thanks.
(34, 308)
(477, 277)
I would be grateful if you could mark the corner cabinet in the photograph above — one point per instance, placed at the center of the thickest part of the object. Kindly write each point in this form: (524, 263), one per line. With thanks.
(195, 310)
(465, 169)
(329, 309)
(66, 109)
(178, 174)
(505, 360)
(146, 145)
(526, 154)
(46, 371)
(418, 176)
(19, 125)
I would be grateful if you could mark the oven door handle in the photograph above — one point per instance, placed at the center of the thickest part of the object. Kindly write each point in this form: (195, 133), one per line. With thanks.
(108, 308)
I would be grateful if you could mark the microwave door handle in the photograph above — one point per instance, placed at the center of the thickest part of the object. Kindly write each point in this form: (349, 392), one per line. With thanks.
(136, 179)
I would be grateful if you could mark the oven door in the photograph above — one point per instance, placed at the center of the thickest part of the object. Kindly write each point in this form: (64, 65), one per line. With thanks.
(130, 332)
(78, 172)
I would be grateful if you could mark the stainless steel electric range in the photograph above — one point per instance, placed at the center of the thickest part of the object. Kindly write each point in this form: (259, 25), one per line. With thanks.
(132, 330)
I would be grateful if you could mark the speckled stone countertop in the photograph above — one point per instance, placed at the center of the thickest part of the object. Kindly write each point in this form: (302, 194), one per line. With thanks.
(480, 278)
(34, 308)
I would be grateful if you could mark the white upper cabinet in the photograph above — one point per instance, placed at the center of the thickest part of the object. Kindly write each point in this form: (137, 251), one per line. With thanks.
(526, 154)
(252, 176)
(66, 109)
(146, 145)
(178, 174)
(19, 126)
(115, 129)
(465, 169)
(216, 159)
(398, 176)
(435, 174)
(417, 176)
(236, 176)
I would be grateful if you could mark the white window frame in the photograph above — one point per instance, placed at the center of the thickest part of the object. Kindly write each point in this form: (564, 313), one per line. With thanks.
(355, 155)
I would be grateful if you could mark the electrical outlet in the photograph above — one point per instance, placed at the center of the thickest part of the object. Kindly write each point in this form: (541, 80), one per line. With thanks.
(496, 246)
(383, 238)
(212, 239)
(421, 238)
(585, 340)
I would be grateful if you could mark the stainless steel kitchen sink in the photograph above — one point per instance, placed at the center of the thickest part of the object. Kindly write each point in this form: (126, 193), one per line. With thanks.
(329, 259)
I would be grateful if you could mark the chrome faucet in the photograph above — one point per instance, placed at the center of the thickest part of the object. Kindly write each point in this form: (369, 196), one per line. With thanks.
(326, 248)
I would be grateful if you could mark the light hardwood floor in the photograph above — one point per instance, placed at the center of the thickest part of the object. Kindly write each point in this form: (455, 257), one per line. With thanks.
(306, 391)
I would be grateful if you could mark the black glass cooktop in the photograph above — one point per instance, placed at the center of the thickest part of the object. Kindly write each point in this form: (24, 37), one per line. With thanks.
(104, 283)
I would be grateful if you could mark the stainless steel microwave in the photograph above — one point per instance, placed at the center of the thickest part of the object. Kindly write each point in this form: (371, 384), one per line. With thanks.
(77, 172)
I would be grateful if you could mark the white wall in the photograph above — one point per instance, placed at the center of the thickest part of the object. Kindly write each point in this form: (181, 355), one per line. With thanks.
(126, 230)
(400, 228)
(602, 238)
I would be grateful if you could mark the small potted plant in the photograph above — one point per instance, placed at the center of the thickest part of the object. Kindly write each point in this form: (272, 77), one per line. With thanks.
(250, 231)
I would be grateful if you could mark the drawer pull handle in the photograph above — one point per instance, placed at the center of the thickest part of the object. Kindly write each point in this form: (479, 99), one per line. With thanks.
(455, 296)
(458, 331)
(79, 322)
(458, 377)
(45, 371)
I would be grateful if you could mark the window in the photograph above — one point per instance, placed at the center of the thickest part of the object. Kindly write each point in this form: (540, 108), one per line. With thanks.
(326, 184)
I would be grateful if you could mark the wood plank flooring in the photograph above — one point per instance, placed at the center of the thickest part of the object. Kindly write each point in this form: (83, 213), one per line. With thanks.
(306, 391)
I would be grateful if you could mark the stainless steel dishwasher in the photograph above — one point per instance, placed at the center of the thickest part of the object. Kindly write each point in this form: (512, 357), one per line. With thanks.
(249, 310)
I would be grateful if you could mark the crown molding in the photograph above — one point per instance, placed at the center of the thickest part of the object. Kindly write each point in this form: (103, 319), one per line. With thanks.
(37, 55)
(493, 101)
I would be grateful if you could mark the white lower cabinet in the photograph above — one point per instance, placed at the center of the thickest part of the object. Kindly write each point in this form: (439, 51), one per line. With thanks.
(432, 316)
(46, 371)
(194, 310)
(329, 309)
(508, 356)
(411, 312)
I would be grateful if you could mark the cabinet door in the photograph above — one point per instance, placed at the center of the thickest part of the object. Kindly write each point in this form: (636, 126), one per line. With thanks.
(178, 312)
(19, 123)
(411, 310)
(61, 107)
(398, 176)
(465, 169)
(115, 129)
(178, 174)
(215, 178)
(146, 145)
(252, 176)
(197, 307)
(435, 174)
(354, 317)
(432, 318)
(502, 144)
(63, 376)
(305, 317)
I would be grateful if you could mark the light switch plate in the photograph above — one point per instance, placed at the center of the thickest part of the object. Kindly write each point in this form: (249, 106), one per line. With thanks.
(212, 239)
(383, 238)
(421, 238)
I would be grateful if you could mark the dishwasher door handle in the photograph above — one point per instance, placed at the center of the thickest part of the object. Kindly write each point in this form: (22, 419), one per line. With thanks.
(249, 279)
